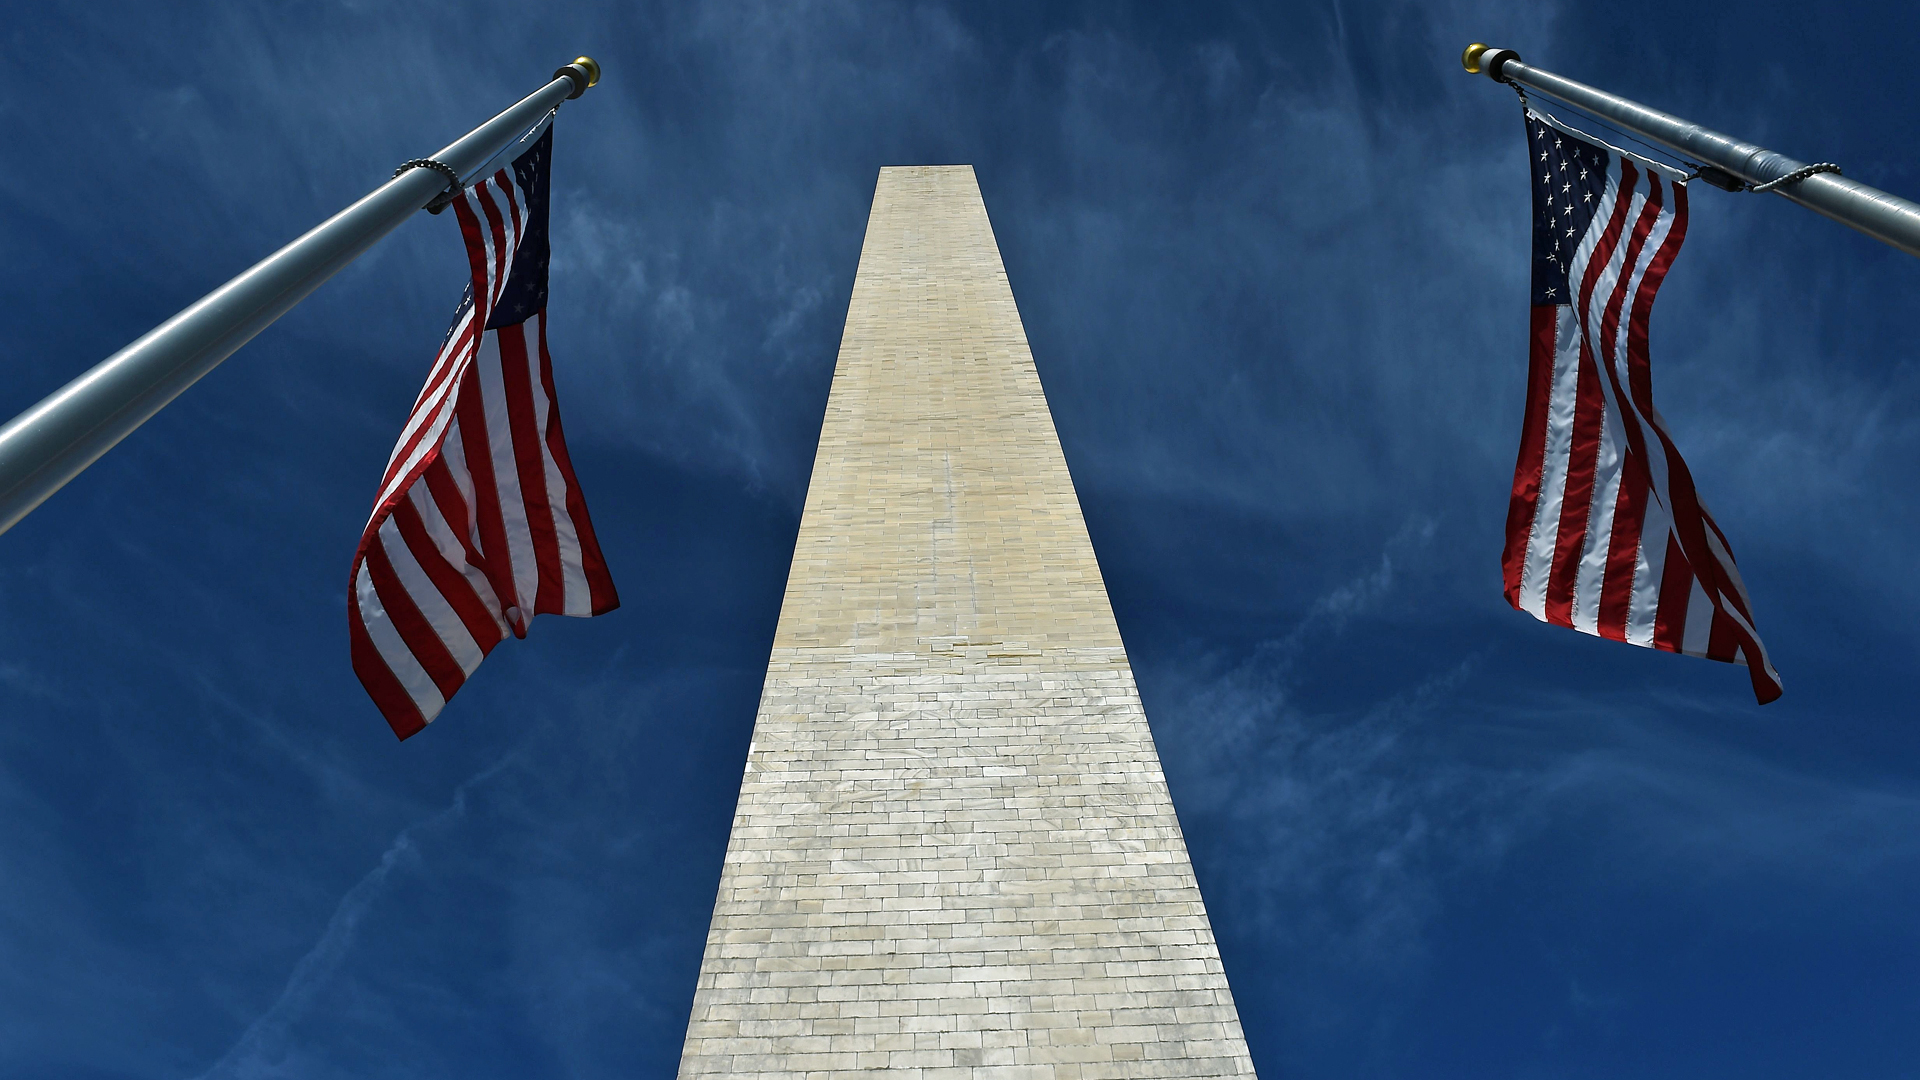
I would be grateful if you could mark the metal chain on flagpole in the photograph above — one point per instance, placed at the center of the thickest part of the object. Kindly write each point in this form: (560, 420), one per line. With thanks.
(1795, 175)
(52, 442)
(454, 186)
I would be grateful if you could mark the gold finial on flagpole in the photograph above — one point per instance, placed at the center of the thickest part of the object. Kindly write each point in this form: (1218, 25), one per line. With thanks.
(584, 71)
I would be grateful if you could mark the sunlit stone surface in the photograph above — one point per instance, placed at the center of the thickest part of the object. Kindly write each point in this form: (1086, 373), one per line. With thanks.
(954, 855)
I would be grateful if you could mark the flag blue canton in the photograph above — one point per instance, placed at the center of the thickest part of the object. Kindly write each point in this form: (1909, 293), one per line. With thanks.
(1569, 180)
(525, 293)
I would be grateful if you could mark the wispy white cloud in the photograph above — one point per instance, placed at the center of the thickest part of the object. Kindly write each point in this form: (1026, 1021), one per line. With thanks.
(1271, 259)
(1337, 812)
(1339, 833)
(1686, 810)
(263, 1049)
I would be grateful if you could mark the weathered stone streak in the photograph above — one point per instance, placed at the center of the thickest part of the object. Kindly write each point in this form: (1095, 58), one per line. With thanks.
(954, 855)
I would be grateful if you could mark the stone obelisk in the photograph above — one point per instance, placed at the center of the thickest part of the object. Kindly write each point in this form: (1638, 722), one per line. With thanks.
(954, 854)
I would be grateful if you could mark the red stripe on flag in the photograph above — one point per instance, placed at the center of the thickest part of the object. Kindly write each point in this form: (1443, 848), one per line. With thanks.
(405, 450)
(1765, 687)
(1736, 596)
(403, 716)
(1603, 249)
(446, 578)
(516, 382)
(501, 255)
(453, 508)
(510, 194)
(496, 559)
(1576, 505)
(1623, 540)
(1676, 589)
(471, 229)
(600, 589)
(434, 393)
(1639, 371)
(449, 359)
(1689, 519)
(1723, 638)
(1623, 549)
(1610, 323)
(414, 629)
(1524, 503)
(1616, 303)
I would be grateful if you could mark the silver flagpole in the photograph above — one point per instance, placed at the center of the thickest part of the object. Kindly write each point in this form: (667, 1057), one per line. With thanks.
(49, 444)
(1728, 162)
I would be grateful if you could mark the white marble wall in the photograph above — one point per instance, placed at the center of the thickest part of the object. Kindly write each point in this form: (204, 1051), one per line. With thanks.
(954, 855)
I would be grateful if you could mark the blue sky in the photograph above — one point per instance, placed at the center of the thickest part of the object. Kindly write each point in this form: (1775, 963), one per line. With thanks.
(1272, 262)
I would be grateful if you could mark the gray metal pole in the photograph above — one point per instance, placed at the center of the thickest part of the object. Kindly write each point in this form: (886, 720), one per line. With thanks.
(49, 444)
(1888, 218)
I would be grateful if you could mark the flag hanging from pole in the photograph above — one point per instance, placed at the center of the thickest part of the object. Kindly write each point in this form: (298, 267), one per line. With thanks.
(1605, 533)
(480, 523)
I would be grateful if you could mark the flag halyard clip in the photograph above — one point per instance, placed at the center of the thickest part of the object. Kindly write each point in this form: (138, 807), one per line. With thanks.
(454, 186)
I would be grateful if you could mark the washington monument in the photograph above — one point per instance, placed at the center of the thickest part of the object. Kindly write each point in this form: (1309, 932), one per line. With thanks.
(954, 855)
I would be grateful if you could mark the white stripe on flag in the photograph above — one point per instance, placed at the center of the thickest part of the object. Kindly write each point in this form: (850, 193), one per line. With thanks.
(393, 651)
(483, 299)
(506, 477)
(1699, 629)
(454, 454)
(576, 598)
(1650, 568)
(1553, 480)
(1583, 254)
(442, 416)
(433, 606)
(452, 355)
(1590, 576)
(448, 543)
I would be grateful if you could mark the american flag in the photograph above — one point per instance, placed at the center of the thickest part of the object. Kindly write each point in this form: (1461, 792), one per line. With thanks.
(480, 524)
(1605, 533)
